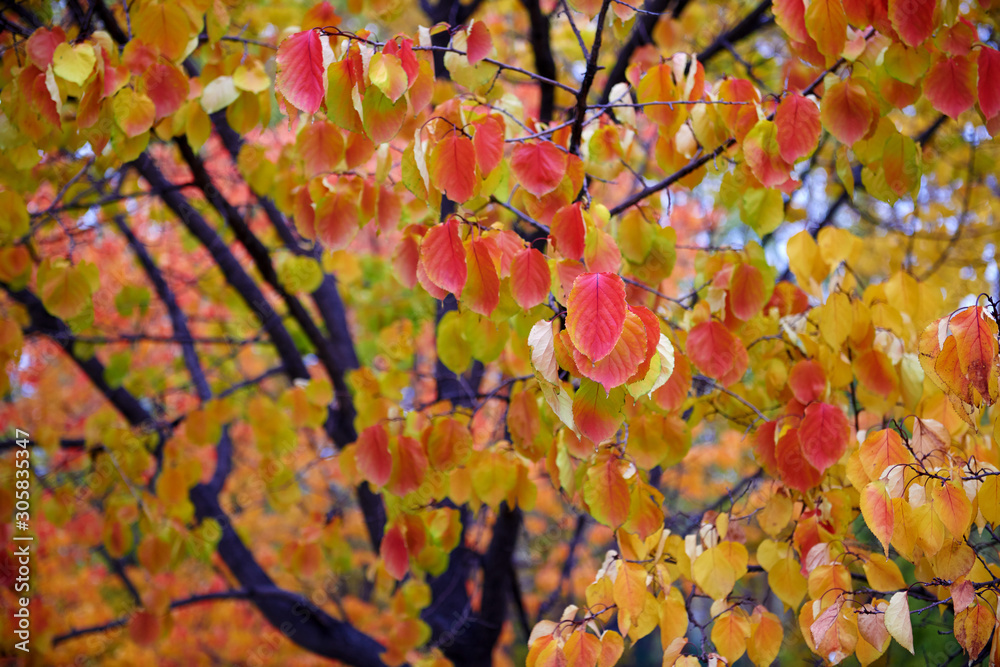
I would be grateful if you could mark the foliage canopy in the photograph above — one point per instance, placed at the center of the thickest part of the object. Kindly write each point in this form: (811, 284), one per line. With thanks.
(531, 332)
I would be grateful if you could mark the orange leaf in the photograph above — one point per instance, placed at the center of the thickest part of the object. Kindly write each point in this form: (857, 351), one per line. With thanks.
(373, 458)
(847, 111)
(321, 146)
(952, 506)
(606, 492)
(302, 71)
(482, 289)
(539, 166)
(876, 508)
(826, 23)
(882, 449)
(453, 164)
(975, 338)
(336, 221)
(596, 413)
(630, 591)
(791, 17)
(823, 435)
(595, 313)
(747, 292)
(712, 348)
(530, 278)
(443, 256)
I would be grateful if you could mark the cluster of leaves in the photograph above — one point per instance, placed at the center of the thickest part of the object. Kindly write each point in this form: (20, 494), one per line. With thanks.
(413, 359)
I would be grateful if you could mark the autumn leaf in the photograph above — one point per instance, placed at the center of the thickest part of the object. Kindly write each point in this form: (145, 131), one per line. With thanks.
(823, 435)
(538, 166)
(529, 278)
(302, 61)
(797, 124)
(453, 163)
(595, 314)
(606, 493)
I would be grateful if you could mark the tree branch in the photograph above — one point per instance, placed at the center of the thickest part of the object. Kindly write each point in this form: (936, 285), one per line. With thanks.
(588, 81)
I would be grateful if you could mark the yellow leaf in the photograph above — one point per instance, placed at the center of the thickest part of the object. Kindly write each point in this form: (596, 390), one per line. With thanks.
(74, 63)
(883, 574)
(718, 569)
(787, 582)
(630, 593)
(836, 318)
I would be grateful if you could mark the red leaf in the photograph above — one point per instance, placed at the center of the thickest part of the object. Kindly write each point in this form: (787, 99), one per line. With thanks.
(747, 292)
(167, 86)
(301, 71)
(798, 127)
(569, 231)
(41, 46)
(623, 360)
(807, 381)
(950, 85)
(595, 313)
(913, 20)
(711, 348)
(479, 43)
(443, 257)
(453, 164)
(482, 289)
(763, 446)
(373, 458)
(796, 471)
(530, 279)
(823, 435)
(394, 554)
(410, 466)
(989, 81)
(539, 166)
(488, 141)
(847, 111)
